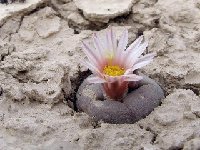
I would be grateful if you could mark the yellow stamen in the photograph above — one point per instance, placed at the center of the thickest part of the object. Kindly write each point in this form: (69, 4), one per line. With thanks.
(113, 70)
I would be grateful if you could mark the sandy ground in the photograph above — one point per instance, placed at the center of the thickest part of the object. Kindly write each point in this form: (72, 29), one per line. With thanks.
(40, 49)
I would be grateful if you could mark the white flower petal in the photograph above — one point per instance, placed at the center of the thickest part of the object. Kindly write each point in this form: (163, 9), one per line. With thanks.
(143, 61)
(123, 41)
(132, 77)
(135, 44)
(114, 40)
(128, 71)
(130, 50)
(109, 40)
(122, 45)
(101, 37)
(90, 54)
(99, 48)
(132, 58)
(146, 57)
(95, 79)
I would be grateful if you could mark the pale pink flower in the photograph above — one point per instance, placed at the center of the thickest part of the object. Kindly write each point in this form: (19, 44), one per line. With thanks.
(112, 64)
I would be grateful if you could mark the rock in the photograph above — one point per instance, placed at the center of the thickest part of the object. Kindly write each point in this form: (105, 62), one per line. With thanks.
(173, 113)
(27, 35)
(195, 109)
(27, 30)
(65, 8)
(168, 116)
(102, 10)
(136, 105)
(145, 13)
(75, 19)
(171, 66)
(58, 144)
(12, 89)
(48, 23)
(155, 35)
(183, 14)
(10, 27)
(192, 144)
(173, 32)
(63, 110)
(149, 147)
(193, 77)
(44, 23)
(22, 8)
(54, 85)
(189, 115)
(130, 138)
(50, 83)
(23, 119)
(5, 49)
(46, 28)
(172, 129)
(174, 139)
(40, 62)
(11, 1)
(57, 45)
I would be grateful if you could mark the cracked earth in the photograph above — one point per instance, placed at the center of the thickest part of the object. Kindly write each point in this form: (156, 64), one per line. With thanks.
(40, 72)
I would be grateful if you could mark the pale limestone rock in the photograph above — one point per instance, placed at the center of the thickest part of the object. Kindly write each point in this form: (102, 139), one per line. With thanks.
(174, 138)
(175, 39)
(5, 49)
(130, 138)
(47, 24)
(27, 35)
(11, 88)
(13, 9)
(174, 65)
(193, 144)
(76, 19)
(27, 29)
(149, 147)
(192, 77)
(65, 8)
(10, 27)
(173, 133)
(168, 116)
(145, 13)
(53, 84)
(49, 83)
(195, 108)
(180, 16)
(58, 144)
(41, 65)
(189, 115)
(103, 10)
(48, 27)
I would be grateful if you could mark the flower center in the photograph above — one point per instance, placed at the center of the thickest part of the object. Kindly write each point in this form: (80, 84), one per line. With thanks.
(113, 70)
